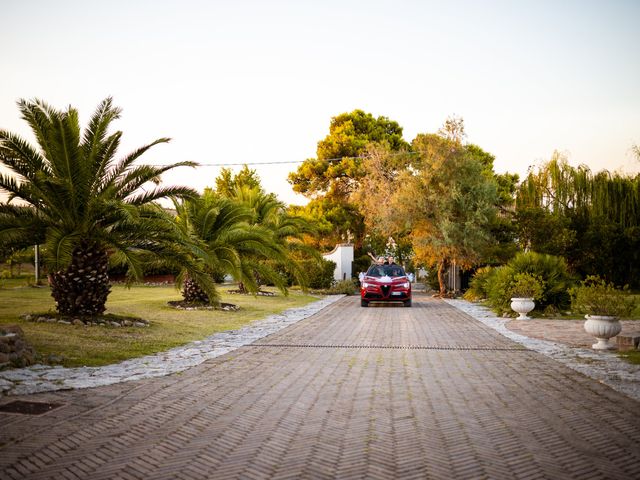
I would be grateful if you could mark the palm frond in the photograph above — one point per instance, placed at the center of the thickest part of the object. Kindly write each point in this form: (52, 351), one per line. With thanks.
(161, 192)
(104, 171)
(59, 245)
(95, 134)
(19, 156)
(39, 115)
(20, 226)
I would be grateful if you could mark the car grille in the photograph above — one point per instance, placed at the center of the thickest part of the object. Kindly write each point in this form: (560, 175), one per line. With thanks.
(372, 295)
(385, 289)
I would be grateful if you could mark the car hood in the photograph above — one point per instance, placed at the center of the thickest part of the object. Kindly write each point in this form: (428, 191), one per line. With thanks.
(386, 280)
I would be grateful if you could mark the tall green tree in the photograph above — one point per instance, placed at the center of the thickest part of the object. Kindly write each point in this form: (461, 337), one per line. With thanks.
(591, 219)
(72, 195)
(331, 178)
(447, 204)
(336, 169)
(227, 182)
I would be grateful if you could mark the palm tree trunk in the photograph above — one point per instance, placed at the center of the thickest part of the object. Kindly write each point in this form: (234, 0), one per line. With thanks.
(82, 288)
(192, 293)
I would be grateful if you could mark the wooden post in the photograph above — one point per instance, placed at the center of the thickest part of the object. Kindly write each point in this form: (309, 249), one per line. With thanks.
(37, 263)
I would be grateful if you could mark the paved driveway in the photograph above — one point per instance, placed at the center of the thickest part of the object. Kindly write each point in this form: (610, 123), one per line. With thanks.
(382, 392)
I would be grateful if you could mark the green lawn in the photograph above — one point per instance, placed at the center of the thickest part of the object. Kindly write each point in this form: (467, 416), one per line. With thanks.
(632, 356)
(94, 346)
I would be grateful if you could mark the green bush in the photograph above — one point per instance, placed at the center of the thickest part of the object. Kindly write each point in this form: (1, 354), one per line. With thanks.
(361, 264)
(597, 297)
(479, 284)
(432, 280)
(345, 287)
(526, 285)
(148, 270)
(551, 270)
(320, 273)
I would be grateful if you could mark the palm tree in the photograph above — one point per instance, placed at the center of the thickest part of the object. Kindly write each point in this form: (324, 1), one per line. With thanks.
(224, 241)
(85, 206)
(287, 231)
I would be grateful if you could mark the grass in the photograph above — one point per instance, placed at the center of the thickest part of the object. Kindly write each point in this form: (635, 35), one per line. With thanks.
(95, 346)
(632, 356)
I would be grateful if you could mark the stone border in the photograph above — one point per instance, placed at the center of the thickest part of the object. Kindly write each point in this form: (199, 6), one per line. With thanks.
(602, 366)
(41, 378)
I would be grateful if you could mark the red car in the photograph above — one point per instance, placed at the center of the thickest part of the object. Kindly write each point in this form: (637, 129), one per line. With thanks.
(385, 283)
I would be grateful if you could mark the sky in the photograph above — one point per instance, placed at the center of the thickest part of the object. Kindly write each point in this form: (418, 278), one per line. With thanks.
(257, 82)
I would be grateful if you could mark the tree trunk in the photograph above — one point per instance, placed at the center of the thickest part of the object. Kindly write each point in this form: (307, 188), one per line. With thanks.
(441, 281)
(83, 287)
(192, 293)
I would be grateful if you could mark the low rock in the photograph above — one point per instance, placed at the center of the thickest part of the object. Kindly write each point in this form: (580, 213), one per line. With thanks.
(628, 341)
(14, 349)
(53, 359)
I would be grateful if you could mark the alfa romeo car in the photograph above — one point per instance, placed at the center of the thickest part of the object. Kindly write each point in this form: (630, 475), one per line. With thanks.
(385, 283)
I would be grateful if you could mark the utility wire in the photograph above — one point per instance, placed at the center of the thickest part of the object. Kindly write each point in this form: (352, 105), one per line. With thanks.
(283, 162)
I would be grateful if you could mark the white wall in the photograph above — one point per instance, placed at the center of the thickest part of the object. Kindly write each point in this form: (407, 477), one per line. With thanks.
(342, 255)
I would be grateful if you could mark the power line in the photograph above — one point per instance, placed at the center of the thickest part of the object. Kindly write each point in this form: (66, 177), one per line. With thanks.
(283, 162)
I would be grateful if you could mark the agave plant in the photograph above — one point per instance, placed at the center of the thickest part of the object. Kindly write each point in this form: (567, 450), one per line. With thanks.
(72, 195)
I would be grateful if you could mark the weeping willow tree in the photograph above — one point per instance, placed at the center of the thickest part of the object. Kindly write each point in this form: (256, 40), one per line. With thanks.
(562, 189)
(591, 218)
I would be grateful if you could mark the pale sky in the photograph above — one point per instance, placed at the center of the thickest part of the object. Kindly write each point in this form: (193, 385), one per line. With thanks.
(258, 81)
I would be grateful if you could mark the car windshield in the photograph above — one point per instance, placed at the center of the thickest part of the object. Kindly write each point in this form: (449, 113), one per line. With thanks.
(385, 270)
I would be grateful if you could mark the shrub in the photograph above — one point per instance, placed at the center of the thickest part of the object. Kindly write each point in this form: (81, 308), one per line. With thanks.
(345, 287)
(432, 280)
(551, 270)
(526, 285)
(320, 273)
(361, 264)
(478, 286)
(595, 296)
(148, 270)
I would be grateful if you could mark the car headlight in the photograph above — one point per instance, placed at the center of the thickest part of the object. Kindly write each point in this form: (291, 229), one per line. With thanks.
(406, 285)
(365, 285)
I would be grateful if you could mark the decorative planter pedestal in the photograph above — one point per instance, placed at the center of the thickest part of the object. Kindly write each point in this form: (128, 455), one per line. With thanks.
(603, 328)
(522, 305)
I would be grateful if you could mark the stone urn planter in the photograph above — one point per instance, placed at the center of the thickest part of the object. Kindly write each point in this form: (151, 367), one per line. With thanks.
(522, 305)
(603, 327)
(603, 305)
(525, 288)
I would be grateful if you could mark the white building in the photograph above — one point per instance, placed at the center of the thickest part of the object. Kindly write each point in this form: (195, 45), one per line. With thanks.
(342, 255)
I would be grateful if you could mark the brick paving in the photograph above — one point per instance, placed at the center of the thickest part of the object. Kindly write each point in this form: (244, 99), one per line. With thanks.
(567, 332)
(422, 392)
